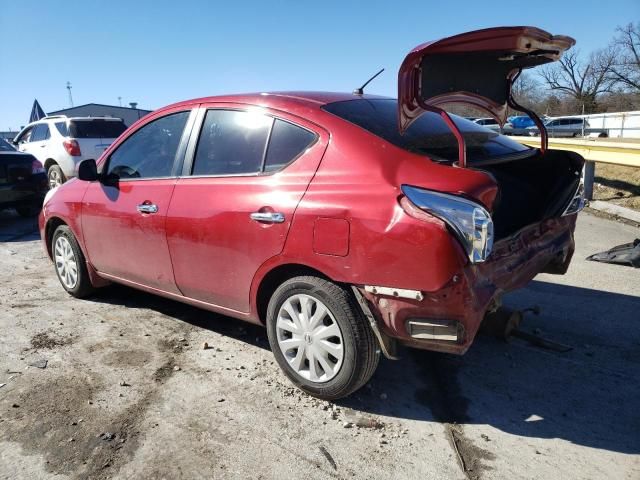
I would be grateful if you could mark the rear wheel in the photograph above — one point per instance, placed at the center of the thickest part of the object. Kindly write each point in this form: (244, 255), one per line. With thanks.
(69, 263)
(56, 176)
(319, 337)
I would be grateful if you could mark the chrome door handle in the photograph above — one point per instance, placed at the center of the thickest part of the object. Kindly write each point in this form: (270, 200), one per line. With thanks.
(267, 217)
(148, 208)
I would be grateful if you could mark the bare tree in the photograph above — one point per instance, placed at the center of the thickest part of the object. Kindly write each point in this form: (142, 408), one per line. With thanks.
(626, 48)
(583, 82)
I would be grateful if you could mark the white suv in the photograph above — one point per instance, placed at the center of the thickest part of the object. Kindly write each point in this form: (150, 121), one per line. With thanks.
(61, 143)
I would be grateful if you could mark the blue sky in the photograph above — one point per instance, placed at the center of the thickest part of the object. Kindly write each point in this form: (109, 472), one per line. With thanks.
(158, 52)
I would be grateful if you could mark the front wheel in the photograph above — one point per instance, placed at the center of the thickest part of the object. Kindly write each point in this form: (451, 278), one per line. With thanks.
(320, 338)
(70, 264)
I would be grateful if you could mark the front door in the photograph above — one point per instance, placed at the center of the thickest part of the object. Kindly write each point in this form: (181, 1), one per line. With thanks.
(232, 210)
(36, 142)
(123, 216)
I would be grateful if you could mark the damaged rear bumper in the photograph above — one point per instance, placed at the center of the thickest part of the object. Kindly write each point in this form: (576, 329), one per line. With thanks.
(448, 319)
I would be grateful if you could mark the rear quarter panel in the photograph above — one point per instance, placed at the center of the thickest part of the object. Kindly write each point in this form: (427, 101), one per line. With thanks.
(359, 181)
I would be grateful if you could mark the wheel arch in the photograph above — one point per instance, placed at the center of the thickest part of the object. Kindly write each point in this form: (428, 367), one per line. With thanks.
(49, 162)
(274, 278)
(50, 227)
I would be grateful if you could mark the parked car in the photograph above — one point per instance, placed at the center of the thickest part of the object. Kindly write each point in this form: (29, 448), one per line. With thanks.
(568, 127)
(60, 143)
(490, 123)
(23, 182)
(517, 125)
(344, 223)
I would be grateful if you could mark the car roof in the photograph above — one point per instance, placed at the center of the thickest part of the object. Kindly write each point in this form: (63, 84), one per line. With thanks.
(279, 99)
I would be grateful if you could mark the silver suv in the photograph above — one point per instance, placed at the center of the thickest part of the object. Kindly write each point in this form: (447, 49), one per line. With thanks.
(61, 143)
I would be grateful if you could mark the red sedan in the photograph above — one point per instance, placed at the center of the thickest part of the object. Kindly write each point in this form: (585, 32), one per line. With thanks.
(345, 223)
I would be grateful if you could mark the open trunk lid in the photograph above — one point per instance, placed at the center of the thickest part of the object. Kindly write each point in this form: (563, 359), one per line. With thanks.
(475, 68)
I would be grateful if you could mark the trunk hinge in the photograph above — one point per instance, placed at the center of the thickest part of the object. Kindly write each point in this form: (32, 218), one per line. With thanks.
(462, 147)
(544, 139)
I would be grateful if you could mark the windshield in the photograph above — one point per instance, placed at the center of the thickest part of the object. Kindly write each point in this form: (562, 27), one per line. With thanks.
(96, 128)
(5, 146)
(428, 135)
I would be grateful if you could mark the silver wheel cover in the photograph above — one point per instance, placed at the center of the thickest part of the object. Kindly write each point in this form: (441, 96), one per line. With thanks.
(66, 262)
(309, 338)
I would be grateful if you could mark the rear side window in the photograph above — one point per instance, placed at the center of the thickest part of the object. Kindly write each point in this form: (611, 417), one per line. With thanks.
(428, 135)
(62, 128)
(40, 133)
(151, 151)
(286, 143)
(235, 142)
(96, 128)
(232, 143)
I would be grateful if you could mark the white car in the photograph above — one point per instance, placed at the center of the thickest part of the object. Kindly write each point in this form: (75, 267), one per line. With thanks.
(490, 123)
(61, 143)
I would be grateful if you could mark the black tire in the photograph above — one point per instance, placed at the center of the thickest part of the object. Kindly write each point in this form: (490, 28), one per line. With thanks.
(29, 210)
(361, 353)
(53, 173)
(82, 286)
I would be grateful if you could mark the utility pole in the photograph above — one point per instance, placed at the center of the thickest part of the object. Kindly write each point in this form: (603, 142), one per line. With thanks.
(120, 101)
(70, 97)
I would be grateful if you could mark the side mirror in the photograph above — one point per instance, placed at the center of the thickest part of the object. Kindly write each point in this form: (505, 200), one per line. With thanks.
(88, 170)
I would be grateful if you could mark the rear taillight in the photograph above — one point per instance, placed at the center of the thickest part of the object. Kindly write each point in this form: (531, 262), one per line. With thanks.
(36, 167)
(72, 147)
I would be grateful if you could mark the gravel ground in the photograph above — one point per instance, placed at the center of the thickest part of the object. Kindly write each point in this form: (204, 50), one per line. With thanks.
(129, 391)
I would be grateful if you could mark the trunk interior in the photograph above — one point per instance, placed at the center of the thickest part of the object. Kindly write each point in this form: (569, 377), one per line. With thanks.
(533, 189)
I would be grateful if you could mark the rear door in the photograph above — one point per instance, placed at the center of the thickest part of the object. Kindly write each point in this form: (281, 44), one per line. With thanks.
(245, 174)
(123, 216)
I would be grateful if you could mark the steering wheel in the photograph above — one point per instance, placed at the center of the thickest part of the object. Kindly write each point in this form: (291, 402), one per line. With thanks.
(124, 171)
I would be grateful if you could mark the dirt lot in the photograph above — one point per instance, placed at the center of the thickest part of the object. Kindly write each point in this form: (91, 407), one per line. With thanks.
(120, 386)
(617, 184)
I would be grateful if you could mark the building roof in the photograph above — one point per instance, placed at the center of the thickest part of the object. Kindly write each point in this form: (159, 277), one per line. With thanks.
(116, 107)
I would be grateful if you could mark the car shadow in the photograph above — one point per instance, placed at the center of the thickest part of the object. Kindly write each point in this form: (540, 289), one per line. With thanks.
(14, 228)
(588, 396)
(243, 331)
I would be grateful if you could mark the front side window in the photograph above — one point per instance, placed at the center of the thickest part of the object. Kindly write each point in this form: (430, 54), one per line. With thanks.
(150, 152)
(26, 136)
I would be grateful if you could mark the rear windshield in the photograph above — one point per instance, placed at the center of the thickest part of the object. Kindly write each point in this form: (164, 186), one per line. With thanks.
(96, 128)
(429, 134)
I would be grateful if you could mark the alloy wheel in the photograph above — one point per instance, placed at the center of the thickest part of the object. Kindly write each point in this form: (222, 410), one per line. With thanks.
(54, 178)
(309, 338)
